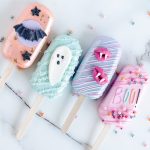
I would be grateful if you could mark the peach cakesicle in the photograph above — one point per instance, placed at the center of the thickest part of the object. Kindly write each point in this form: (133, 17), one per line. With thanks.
(27, 37)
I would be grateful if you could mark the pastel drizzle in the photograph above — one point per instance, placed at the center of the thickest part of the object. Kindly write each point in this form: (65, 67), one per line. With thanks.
(83, 82)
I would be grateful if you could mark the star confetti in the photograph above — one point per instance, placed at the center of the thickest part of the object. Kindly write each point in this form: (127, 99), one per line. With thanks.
(35, 11)
(26, 55)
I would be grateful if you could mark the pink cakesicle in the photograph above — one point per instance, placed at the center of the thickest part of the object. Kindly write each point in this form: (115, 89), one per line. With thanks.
(120, 103)
(28, 36)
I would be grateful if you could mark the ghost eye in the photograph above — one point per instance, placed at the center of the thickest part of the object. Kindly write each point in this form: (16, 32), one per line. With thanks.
(57, 55)
(58, 62)
(62, 57)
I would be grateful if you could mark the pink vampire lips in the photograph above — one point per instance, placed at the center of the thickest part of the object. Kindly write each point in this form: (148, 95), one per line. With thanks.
(101, 53)
(99, 76)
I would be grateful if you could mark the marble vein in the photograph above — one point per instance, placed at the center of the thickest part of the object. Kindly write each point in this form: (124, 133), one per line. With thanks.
(45, 119)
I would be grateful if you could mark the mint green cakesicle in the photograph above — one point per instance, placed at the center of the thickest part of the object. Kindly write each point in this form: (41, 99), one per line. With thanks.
(56, 66)
(53, 73)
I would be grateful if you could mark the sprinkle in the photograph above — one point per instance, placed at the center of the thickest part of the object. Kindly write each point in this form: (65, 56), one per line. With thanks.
(140, 76)
(145, 79)
(15, 60)
(132, 134)
(148, 118)
(129, 83)
(115, 131)
(101, 15)
(2, 39)
(69, 32)
(41, 114)
(134, 112)
(12, 17)
(145, 144)
(148, 13)
(137, 73)
(122, 78)
(90, 27)
(132, 22)
(15, 38)
(109, 114)
(141, 83)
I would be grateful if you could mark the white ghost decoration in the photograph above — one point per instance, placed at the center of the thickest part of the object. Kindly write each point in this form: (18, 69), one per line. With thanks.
(59, 62)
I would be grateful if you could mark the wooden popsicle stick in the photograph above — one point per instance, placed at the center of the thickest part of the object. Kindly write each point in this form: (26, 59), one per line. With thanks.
(101, 137)
(25, 124)
(6, 74)
(72, 114)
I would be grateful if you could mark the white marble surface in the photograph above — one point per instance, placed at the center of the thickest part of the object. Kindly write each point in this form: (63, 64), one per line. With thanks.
(125, 20)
